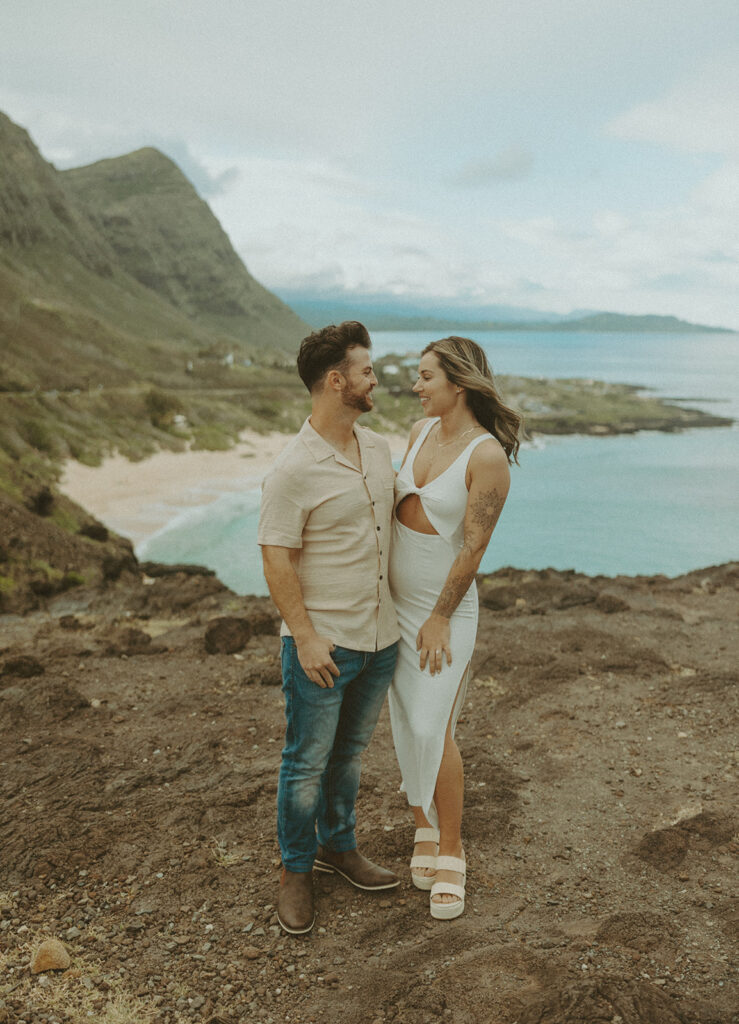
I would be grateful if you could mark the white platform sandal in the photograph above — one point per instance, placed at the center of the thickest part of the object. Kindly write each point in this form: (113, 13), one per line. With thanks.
(424, 860)
(448, 911)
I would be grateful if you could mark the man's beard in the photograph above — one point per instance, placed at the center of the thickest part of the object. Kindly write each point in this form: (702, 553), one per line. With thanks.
(357, 400)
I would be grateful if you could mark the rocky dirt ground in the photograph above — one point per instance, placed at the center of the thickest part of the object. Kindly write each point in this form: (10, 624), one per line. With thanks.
(138, 777)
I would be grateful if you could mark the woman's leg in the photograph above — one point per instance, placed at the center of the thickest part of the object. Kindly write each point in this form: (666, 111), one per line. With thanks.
(449, 797)
(424, 849)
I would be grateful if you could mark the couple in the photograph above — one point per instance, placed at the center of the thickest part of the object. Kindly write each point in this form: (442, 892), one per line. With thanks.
(362, 609)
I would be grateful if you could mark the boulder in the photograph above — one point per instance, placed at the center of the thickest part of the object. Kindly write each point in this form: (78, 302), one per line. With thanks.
(227, 635)
(50, 956)
(24, 667)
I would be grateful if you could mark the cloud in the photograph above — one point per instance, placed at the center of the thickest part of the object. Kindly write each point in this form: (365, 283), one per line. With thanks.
(367, 146)
(512, 164)
(315, 229)
(679, 260)
(700, 114)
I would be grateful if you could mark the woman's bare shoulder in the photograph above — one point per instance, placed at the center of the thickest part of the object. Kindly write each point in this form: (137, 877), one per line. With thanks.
(489, 459)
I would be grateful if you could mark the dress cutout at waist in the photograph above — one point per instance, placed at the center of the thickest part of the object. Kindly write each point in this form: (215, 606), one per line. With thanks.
(444, 499)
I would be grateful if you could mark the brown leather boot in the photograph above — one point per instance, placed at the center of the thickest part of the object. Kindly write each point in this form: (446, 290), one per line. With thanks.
(355, 868)
(295, 910)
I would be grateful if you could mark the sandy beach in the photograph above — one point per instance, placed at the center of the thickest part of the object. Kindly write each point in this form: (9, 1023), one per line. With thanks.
(137, 499)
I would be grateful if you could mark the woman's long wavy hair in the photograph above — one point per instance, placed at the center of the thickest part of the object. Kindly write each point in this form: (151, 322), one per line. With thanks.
(465, 364)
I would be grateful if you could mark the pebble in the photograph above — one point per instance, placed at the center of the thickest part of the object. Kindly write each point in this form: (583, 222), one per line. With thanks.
(252, 953)
(72, 933)
(50, 956)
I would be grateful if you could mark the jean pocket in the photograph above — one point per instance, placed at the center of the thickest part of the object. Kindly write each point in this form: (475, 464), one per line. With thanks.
(349, 662)
(288, 660)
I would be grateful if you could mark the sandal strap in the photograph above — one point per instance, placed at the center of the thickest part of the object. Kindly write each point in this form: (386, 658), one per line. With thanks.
(451, 864)
(447, 889)
(423, 861)
(426, 835)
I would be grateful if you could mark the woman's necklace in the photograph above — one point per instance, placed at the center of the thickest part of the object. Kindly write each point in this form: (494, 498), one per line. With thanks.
(444, 444)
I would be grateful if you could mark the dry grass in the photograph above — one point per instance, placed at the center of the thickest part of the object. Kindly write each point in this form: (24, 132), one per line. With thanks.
(69, 995)
(223, 857)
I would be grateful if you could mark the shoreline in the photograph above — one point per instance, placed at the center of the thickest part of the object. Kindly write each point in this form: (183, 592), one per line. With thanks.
(138, 499)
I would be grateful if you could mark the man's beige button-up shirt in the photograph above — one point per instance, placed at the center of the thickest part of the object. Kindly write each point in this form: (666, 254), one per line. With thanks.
(339, 517)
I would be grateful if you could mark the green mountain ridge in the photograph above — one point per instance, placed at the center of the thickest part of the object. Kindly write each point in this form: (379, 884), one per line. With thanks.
(167, 238)
(119, 273)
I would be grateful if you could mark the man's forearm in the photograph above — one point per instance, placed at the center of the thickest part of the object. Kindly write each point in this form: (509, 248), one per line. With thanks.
(287, 594)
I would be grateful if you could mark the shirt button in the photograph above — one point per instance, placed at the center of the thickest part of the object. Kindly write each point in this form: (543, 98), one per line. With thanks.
(378, 529)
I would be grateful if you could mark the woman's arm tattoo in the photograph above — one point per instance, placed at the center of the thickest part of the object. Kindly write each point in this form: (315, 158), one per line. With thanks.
(454, 590)
(485, 509)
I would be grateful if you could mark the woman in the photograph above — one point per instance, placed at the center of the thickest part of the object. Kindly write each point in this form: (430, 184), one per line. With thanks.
(450, 492)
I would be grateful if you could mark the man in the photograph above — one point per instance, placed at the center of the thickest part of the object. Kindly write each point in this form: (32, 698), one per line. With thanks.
(324, 530)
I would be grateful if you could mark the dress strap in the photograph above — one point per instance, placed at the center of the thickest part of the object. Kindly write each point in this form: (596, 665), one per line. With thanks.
(423, 434)
(426, 431)
(475, 441)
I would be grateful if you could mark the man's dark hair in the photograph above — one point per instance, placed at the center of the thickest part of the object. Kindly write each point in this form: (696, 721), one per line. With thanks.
(327, 349)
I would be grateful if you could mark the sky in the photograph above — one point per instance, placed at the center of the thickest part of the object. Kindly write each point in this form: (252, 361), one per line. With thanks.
(557, 155)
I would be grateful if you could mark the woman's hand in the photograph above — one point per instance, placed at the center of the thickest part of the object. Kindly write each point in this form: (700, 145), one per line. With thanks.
(433, 642)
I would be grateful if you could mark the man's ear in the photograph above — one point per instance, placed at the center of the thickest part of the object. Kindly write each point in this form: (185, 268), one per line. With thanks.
(335, 380)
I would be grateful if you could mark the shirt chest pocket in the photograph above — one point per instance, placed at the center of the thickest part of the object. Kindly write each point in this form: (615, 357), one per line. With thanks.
(345, 507)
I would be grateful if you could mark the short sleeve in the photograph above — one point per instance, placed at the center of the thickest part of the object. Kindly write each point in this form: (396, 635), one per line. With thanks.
(284, 510)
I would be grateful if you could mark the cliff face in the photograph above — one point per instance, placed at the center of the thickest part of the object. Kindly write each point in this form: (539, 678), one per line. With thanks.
(166, 237)
(119, 271)
(35, 208)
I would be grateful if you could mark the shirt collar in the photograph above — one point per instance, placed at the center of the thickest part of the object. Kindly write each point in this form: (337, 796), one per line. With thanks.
(321, 450)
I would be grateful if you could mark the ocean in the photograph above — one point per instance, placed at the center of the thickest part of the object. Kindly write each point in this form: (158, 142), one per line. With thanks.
(637, 504)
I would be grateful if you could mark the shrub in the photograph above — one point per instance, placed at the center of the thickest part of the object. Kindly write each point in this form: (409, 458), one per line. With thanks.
(7, 585)
(39, 435)
(162, 407)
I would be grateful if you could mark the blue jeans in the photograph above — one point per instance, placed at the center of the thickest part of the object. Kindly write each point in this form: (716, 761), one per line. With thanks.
(327, 730)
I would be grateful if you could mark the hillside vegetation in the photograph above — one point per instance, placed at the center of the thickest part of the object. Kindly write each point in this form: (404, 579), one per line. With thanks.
(119, 272)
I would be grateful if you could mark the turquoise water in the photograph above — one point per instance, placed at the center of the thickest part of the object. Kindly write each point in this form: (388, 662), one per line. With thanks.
(638, 504)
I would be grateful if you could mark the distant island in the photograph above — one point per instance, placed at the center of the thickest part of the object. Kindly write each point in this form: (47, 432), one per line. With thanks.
(466, 320)
(620, 322)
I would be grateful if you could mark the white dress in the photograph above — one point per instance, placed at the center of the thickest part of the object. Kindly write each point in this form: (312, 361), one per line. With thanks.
(421, 704)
